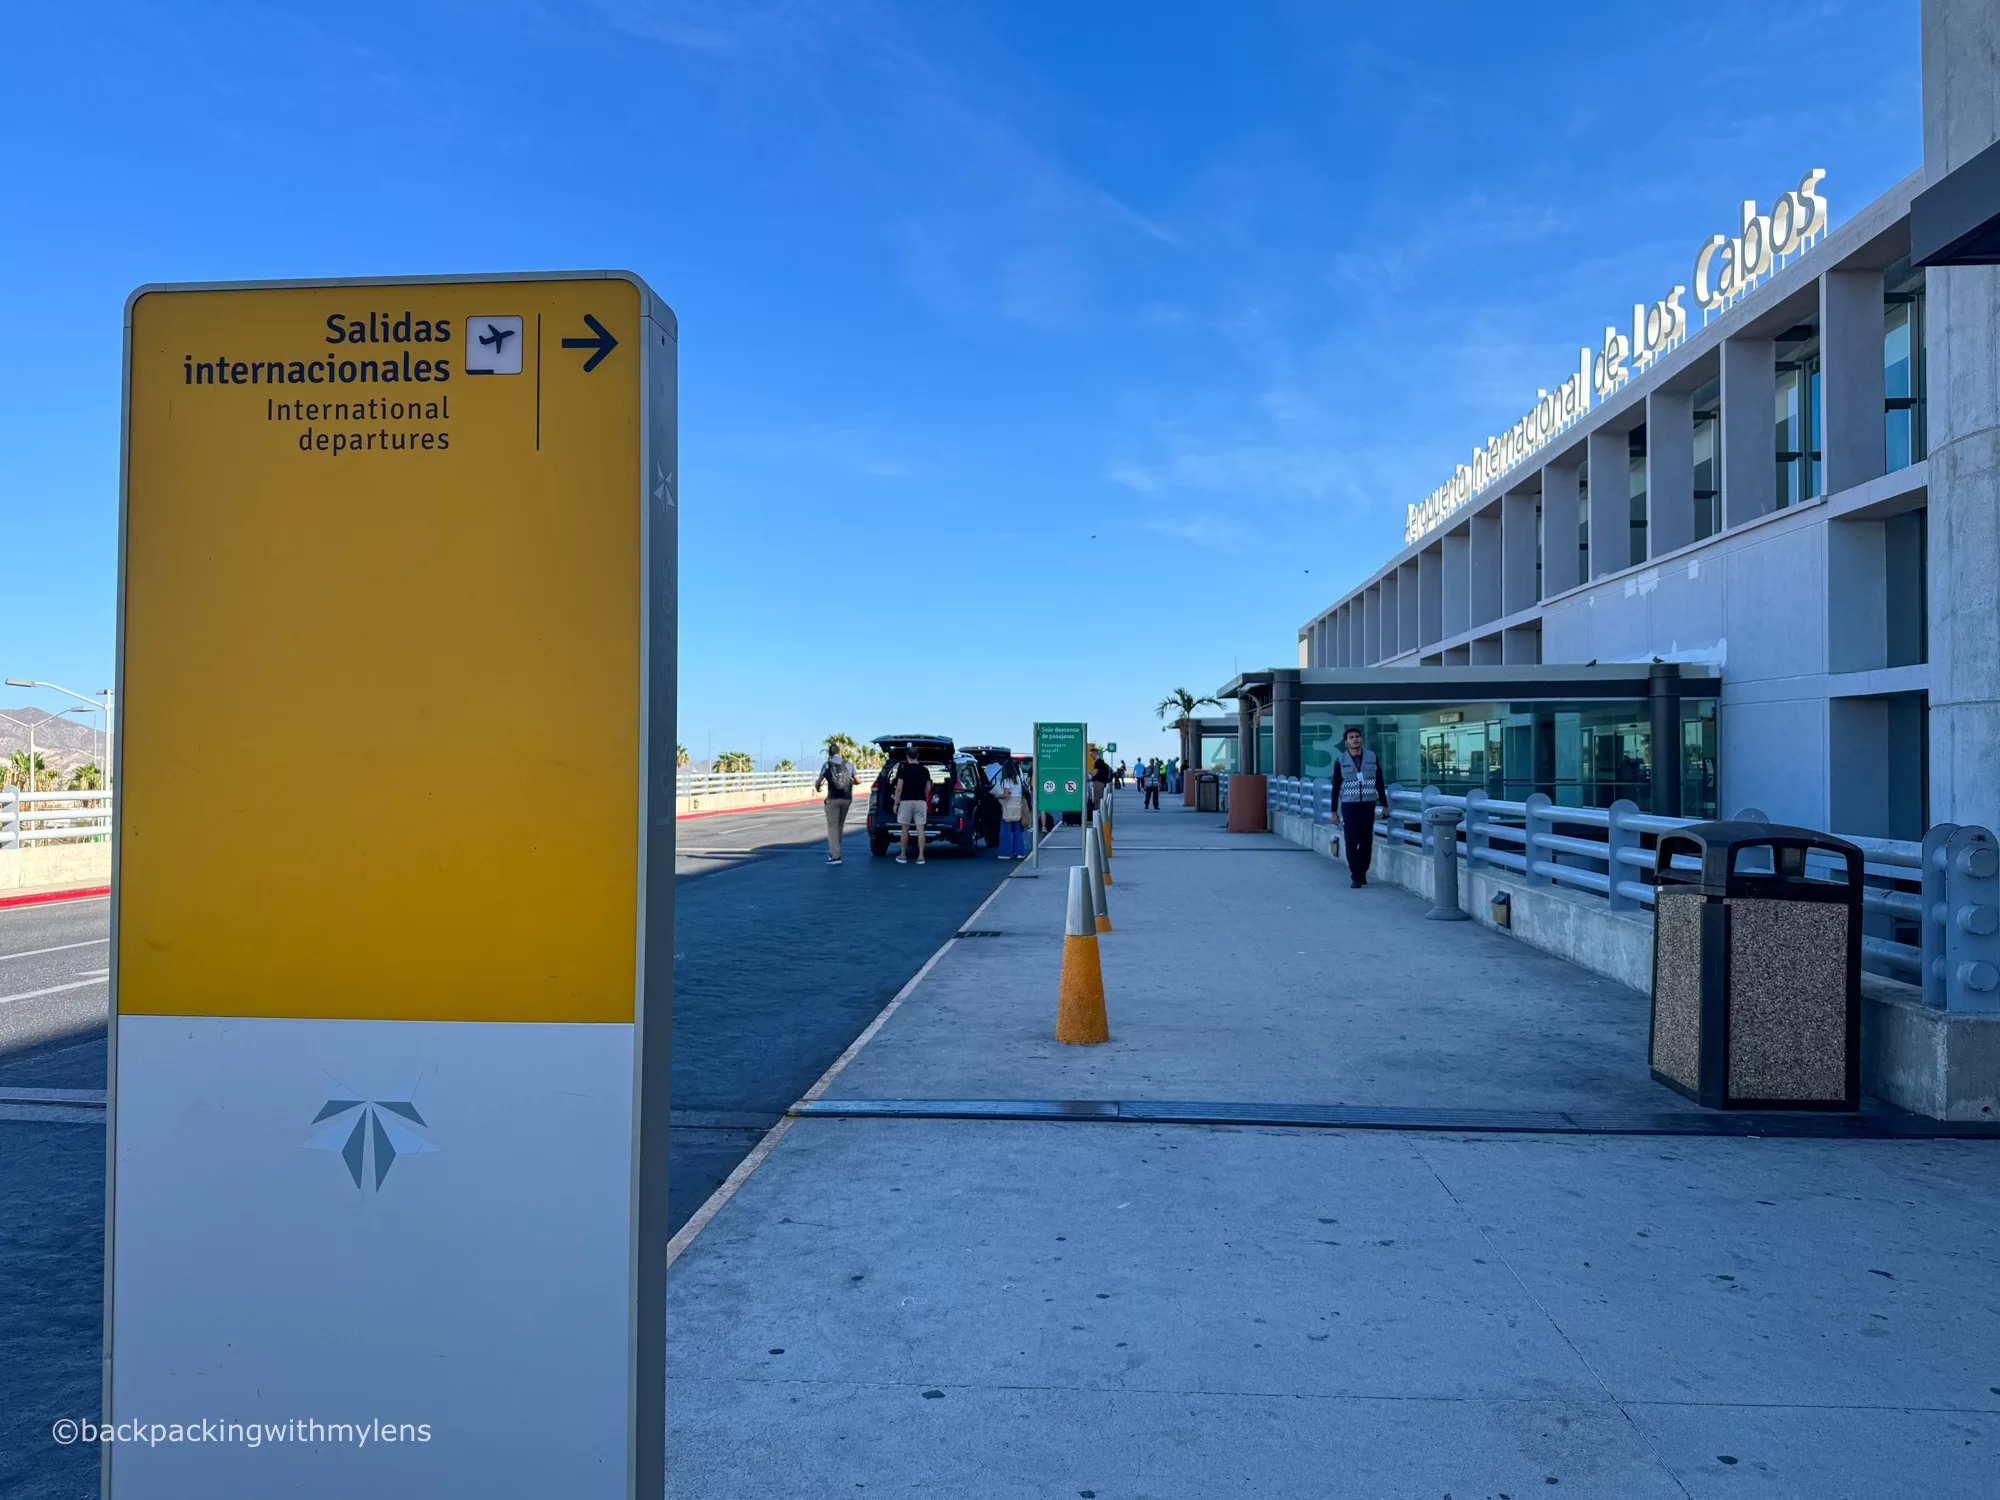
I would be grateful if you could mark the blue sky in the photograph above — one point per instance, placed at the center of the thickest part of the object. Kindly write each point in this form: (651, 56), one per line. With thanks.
(1151, 319)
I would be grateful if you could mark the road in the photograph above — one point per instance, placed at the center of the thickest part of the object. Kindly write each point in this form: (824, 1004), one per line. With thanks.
(780, 961)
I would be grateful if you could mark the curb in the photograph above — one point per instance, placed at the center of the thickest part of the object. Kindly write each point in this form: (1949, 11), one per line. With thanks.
(715, 1202)
(42, 897)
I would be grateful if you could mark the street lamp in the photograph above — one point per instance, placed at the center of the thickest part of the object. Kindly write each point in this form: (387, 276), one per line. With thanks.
(106, 694)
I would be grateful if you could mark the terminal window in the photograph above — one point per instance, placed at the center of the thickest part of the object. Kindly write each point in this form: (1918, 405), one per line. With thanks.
(1798, 414)
(1903, 367)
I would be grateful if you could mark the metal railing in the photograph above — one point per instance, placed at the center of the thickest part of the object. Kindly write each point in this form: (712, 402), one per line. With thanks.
(52, 817)
(715, 783)
(1604, 851)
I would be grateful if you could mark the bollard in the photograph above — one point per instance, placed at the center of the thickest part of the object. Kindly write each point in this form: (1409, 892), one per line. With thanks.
(1104, 845)
(1093, 864)
(1441, 824)
(1105, 821)
(1080, 1017)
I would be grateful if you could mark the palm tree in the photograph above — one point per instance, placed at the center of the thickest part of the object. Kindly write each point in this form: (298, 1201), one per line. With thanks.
(846, 744)
(734, 760)
(26, 770)
(681, 757)
(784, 765)
(1183, 705)
(86, 778)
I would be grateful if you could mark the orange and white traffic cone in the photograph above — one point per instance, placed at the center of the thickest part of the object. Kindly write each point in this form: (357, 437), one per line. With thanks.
(1093, 864)
(1080, 1017)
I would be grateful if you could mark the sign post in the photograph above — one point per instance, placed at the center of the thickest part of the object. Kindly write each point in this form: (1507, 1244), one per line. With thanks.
(1061, 770)
(389, 1070)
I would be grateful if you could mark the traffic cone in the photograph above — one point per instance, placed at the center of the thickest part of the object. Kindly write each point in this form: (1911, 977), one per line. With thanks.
(1103, 831)
(1093, 864)
(1080, 1014)
(1107, 820)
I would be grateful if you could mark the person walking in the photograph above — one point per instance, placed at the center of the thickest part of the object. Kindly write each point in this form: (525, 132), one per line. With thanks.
(1149, 778)
(1361, 792)
(912, 781)
(1013, 819)
(837, 776)
(1100, 781)
(1118, 777)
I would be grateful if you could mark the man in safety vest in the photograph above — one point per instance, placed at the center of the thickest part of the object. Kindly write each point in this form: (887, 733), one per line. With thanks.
(1361, 792)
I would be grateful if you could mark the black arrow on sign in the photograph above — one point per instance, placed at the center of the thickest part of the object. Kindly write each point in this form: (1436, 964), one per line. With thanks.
(604, 343)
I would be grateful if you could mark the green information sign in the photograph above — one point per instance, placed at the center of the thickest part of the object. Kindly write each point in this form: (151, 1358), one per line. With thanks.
(1060, 768)
(1112, 748)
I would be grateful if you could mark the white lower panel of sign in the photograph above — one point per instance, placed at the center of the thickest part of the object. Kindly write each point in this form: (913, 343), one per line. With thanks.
(371, 1257)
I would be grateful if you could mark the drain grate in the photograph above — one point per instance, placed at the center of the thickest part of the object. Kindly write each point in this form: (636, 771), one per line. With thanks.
(977, 932)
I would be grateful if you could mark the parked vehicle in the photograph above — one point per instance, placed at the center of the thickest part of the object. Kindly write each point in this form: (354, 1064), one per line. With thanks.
(955, 778)
(992, 761)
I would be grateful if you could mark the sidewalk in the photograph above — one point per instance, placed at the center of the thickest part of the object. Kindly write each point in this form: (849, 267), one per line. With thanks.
(985, 1308)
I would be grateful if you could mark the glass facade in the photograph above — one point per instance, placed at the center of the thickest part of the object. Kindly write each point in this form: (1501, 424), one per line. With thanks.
(1903, 366)
(1578, 754)
(1798, 414)
(1218, 752)
(1635, 462)
(1708, 460)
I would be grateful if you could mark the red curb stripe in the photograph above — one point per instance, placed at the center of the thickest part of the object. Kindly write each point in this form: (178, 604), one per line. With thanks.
(37, 900)
(760, 807)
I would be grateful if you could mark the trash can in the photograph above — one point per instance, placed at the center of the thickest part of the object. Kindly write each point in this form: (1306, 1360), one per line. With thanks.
(1757, 969)
(1208, 792)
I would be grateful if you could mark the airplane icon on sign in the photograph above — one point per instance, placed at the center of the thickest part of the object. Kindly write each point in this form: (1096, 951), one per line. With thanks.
(493, 345)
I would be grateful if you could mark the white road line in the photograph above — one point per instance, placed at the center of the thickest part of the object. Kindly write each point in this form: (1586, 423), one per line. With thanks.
(713, 1204)
(54, 989)
(59, 948)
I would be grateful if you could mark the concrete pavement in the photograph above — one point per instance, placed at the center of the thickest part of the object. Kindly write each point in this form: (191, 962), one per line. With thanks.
(1006, 1308)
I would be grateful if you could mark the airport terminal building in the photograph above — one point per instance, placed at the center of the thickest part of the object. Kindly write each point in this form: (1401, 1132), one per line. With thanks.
(1780, 481)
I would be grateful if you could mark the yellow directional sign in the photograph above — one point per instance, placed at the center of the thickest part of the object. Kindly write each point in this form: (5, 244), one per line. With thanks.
(382, 605)
(393, 907)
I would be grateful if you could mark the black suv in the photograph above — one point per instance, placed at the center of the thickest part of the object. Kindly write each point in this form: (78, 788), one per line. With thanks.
(955, 793)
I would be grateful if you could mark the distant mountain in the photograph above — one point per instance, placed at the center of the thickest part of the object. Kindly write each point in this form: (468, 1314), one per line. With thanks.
(63, 742)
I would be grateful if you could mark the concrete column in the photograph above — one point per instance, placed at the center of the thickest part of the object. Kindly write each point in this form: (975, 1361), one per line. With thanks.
(1749, 429)
(1561, 562)
(1246, 735)
(1343, 636)
(1371, 626)
(1408, 632)
(1961, 38)
(1664, 684)
(1457, 582)
(1610, 502)
(1670, 471)
(1285, 723)
(1520, 550)
(1483, 566)
(1430, 595)
(1853, 448)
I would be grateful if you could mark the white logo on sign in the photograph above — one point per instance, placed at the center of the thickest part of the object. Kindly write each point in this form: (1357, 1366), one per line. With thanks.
(492, 346)
(1069, 786)
(1048, 786)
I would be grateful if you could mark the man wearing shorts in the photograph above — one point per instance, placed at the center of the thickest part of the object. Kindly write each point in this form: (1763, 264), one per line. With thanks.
(913, 804)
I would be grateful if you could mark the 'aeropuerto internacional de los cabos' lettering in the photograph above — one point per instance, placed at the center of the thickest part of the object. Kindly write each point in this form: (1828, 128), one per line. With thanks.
(1726, 269)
